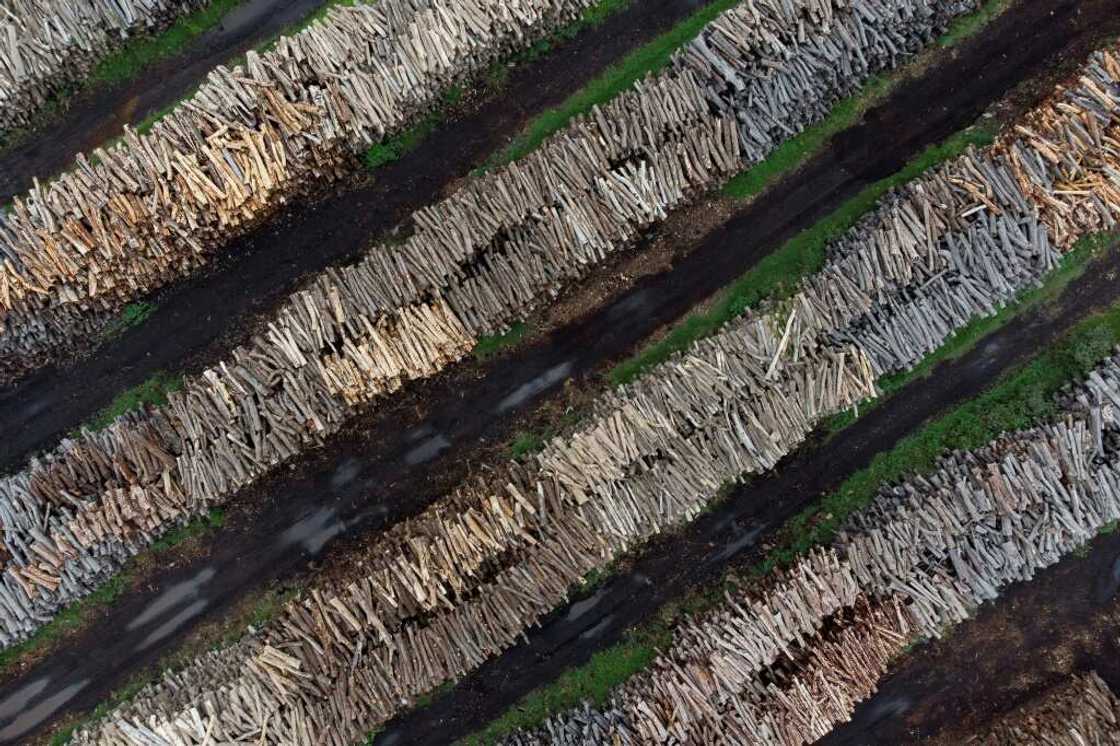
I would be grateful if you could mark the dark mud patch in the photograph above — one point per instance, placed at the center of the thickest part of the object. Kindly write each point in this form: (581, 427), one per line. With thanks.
(196, 322)
(363, 480)
(95, 116)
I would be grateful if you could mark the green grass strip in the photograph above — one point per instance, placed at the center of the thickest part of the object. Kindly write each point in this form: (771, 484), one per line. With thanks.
(153, 391)
(592, 682)
(140, 52)
(494, 344)
(776, 277)
(71, 618)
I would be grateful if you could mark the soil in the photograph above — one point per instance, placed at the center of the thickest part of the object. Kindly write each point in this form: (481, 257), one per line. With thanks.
(1065, 621)
(198, 321)
(406, 451)
(95, 116)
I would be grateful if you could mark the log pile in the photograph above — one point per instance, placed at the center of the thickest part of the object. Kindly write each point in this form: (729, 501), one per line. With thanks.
(46, 45)
(656, 452)
(153, 207)
(71, 262)
(1082, 710)
(931, 549)
(749, 63)
(817, 683)
(470, 264)
(355, 335)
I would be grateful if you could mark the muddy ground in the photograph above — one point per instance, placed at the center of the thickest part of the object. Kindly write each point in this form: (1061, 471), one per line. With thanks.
(403, 455)
(93, 117)
(196, 322)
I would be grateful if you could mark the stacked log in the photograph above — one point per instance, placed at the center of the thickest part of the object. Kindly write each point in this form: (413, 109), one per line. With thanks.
(153, 207)
(47, 45)
(746, 58)
(1081, 710)
(471, 264)
(932, 549)
(816, 685)
(655, 453)
(188, 186)
(360, 334)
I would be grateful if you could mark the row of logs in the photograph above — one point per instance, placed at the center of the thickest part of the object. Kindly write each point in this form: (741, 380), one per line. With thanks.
(73, 261)
(929, 550)
(154, 207)
(46, 45)
(654, 455)
(359, 332)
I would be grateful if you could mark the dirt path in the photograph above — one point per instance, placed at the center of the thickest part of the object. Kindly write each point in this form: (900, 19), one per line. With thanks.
(732, 533)
(1064, 621)
(402, 456)
(197, 321)
(95, 116)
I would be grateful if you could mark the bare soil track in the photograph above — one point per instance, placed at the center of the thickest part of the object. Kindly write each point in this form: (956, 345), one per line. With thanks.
(401, 457)
(96, 115)
(200, 319)
(1065, 621)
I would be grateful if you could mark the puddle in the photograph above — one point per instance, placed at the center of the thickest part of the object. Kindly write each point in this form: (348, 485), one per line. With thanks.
(390, 739)
(598, 629)
(543, 382)
(631, 304)
(881, 709)
(1109, 582)
(427, 450)
(28, 718)
(188, 590)
(16, 703)
(737, 545)
(579, 608)
(417, 433)
(314, 531)
(345, 473)
(173, 624)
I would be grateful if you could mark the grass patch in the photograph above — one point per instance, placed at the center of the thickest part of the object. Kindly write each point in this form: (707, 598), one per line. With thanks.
(68, 619)
(133, 314)
(140, 52)
(776, 277)
(525, 443)
(394, 148)
(200, 526)
(153, 391)
(491, 345)
(592, 681)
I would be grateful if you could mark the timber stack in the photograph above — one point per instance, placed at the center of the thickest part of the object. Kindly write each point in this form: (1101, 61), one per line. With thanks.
(48, 45)
(442, 592)
(157, 206)
(153, 207)
(758, 667)
(406, 311)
